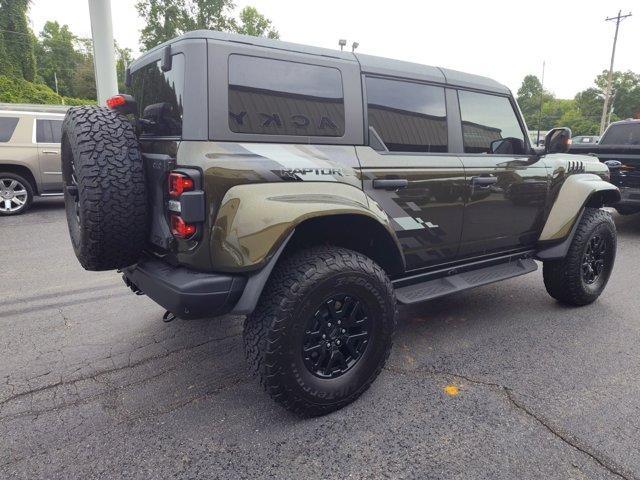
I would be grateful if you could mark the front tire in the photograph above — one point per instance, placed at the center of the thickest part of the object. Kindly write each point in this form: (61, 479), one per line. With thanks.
(322, 330)
(580, 277)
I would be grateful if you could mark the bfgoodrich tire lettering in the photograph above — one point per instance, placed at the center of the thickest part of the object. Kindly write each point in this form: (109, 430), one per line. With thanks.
(274, 333)
(105, 195)
(580, 277)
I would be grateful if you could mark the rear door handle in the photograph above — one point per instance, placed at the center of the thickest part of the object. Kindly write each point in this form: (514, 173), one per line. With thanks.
(483, 181)
(390, 183)
(50, 152)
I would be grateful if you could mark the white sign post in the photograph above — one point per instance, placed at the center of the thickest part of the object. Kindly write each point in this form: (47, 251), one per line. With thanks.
(104, 59)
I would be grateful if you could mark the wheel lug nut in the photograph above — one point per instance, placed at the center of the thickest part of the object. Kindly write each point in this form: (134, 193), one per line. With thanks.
(344, 331)
(338, 322)
(328, 324)
(324, 336)
(337, 342)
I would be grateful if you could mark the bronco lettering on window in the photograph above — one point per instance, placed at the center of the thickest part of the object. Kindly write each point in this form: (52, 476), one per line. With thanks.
(276, 97)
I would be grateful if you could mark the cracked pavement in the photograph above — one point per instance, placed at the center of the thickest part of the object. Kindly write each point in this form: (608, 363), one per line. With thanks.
(94, 385)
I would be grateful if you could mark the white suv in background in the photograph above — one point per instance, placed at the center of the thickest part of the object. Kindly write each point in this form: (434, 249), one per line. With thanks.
(29, 154)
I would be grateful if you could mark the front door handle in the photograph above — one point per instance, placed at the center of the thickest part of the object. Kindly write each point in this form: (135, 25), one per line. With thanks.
(483, 181)
(390, 183)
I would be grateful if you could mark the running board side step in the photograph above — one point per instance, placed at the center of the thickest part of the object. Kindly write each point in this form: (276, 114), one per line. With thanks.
(440, 287)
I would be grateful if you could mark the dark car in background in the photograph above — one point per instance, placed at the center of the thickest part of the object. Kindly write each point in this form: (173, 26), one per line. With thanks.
(619, 149)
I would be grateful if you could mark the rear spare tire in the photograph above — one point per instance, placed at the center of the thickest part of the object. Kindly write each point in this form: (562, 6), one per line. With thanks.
(104, 188)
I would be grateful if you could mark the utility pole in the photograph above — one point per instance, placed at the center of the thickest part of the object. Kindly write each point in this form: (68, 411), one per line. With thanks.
(607, 93)
(540, 106)
(55, 79)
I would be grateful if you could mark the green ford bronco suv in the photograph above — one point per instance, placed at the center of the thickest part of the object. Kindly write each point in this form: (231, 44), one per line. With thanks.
(313, 190)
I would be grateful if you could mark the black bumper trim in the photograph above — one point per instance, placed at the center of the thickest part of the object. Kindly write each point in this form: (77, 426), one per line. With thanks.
(184, 292)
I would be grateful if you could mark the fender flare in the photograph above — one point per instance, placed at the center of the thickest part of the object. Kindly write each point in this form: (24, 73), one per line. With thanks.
(577, 192)
(255, 220)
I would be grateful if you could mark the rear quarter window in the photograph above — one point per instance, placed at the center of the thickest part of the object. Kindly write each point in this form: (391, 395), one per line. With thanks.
(159, 96)
(7, 127)
(48, 131)
(277, 97)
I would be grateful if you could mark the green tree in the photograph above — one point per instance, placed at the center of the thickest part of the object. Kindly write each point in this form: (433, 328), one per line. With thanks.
(530, 94)
(123, 59)
(167, 19)
(17, 56)
(208, 15)
(57, 56)
(626, 91)
(254, 23)
(84, 79)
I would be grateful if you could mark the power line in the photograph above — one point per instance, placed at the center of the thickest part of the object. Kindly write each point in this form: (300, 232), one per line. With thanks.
(607, 94)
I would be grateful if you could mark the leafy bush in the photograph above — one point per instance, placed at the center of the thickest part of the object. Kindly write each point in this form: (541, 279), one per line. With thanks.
(78, 101)
(18, 90)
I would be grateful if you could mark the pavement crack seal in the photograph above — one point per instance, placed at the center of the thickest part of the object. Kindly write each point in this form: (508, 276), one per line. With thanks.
(561, 435)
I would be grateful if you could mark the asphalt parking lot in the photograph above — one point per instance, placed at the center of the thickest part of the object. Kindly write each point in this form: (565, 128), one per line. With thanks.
(94, 385)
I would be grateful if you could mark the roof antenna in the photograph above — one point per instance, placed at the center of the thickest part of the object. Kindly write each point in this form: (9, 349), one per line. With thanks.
(342, 42)
(354, 45)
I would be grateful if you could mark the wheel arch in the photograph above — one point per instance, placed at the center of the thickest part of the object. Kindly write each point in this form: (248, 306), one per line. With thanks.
(23, 171)
(255, 220)
(578, 192)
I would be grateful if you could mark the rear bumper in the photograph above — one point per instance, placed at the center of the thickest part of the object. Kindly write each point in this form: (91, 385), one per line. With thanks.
(184, 292)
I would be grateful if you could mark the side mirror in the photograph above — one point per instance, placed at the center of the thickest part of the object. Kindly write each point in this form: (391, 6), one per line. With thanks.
(507, 146)
(558, 140)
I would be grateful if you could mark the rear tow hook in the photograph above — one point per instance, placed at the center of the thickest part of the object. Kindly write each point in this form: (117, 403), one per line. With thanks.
(168, 317)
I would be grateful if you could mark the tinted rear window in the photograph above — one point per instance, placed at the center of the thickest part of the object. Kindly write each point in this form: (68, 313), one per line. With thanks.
(159, 96)
(409, 117)
(7, 126)
(276, 97)
(625, 134)
(48, 131)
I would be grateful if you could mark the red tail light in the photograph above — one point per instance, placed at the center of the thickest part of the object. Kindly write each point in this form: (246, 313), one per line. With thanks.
(180, 228)
(179, 183)
(116, 101)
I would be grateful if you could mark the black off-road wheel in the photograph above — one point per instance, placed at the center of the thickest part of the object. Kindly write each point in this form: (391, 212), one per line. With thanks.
(580, 277)
(322, 330)
(105, 194)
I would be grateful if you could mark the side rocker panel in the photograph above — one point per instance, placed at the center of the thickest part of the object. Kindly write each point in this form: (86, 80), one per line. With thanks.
(254, 220)
(574, 194)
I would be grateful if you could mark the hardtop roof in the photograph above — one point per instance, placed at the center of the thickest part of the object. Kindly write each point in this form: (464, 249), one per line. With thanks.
(368, 63)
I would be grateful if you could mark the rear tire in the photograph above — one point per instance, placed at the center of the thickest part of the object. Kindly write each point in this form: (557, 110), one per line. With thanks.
(328, 291)
(16, 194)
(580, 277)
(105, 193)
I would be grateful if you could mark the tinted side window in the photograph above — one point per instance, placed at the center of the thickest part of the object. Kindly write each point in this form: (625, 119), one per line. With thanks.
(48, 131)
(7, 126)
(486, 118)
(159, 96)
(622, 134)
(276, 97)
(409, 117)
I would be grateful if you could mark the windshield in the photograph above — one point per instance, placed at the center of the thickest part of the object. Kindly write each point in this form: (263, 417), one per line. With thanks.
(623, 134)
